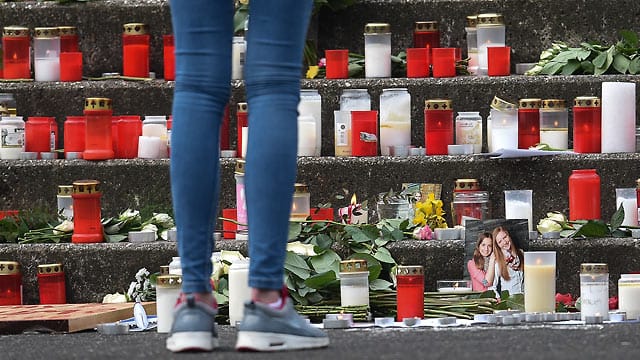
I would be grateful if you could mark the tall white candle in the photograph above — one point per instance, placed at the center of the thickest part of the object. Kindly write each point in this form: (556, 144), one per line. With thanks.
(377, 60)
(618, 117)
(167, 293)
(306, 136)
(245, 141)
(628, 199)
(518, 210)
(629, 295)
(395, 119)
(239, 290)
(539, 281)
(238, 51)
(311, 105)
(504, 129)
(557, 138)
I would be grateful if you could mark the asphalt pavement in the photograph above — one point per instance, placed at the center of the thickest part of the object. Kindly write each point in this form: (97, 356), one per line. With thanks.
(615, 341)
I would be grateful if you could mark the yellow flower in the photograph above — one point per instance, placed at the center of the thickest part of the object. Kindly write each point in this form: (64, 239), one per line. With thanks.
(419, 219)
(312, 72)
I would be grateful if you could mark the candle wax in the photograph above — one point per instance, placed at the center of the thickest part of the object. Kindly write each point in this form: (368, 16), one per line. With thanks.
(539, 288)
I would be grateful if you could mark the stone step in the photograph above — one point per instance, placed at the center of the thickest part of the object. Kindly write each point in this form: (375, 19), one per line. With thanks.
(145, 183)
(93, 270)
(155, 97)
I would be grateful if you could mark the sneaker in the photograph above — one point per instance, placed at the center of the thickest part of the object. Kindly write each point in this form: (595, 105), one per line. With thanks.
(194, 327)
(264, 328)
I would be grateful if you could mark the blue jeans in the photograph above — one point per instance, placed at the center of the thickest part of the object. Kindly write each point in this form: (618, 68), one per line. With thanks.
(203, 32)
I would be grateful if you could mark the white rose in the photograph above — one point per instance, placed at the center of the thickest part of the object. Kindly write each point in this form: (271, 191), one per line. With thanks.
(163, 220)
(64, 227)
(116, 298)
(301, 249)
(547, 225)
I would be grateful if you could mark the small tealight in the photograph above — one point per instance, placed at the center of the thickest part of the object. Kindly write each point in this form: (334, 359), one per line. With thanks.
(455, 149)
(521, 317)
(446, 320)
(419, 151)
(73, 155)
(383, 321)
(551, 235)
(635, 233)
(595, 319)
(399, 150)
(48, 155)
(172, 235)
(482, 318)
(342, 316)
(28, 155)
(141, 236)
(576, 316)
(510, 320)
(504, 312)
(335, 323)
(228, 153)
(564, 316)
(410, 321)
(533, 317)
(549, 317)
(617, 316)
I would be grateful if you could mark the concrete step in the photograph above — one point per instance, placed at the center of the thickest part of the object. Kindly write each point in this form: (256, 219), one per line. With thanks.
(155, 97)
(145, 183)
(93, 270)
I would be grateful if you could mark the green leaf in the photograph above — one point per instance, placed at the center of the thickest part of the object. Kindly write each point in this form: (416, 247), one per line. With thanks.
(383, 255)
(587, 67)
(593, 228)
(552, 68)
(617, 218)
(295, 229)
(323, 241)
(621, 63)
(113, 238)
(374, 265)
(571, 67)
(599, 61)
(583, 54)
(380, 285)
(381, 242)
(327, 261)
(295, 264)
(630, 38)
(634, 65)
(362, 233)
(321, 280)
(220, 298)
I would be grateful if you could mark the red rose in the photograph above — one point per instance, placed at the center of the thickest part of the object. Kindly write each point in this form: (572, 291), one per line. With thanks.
(566, 299)
(613, 303)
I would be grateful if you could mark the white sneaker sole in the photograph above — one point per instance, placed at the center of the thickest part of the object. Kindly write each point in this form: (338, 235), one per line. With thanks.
(192, 341)
(261, 341)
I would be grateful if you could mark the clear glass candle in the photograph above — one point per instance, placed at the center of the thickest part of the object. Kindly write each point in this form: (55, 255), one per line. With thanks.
(395, 119)
(472, 43)
(311, 105)
(377, 50)
(490, 32)
(10, 283)
(528, 122)
(301, 203)
(167, 292)
(87, 226)
(16, 52)
(469, 130)
(540, 281)
(518, 204)
(554, 124)
(594, 290)
(135, 50)
(46, 54)
(98, 114)
(51, 284)
(472, 204)
(65, 201)
(438, 126)
(629, 295)
(587, 124)
(69, 40)
(11, 137)
(426, 34)
(410, 292)
(354, 283)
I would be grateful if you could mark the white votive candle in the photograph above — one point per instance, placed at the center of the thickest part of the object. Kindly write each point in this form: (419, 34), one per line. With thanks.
(618, 117)
(539, 281)
(150, 147)
(306, 136)
(47, 69)
(239, 290)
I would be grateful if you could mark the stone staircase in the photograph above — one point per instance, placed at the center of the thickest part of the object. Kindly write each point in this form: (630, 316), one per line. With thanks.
(531, 26)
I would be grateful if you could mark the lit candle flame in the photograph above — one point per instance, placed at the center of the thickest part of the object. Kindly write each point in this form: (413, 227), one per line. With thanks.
(354, 200)
(538, 261)
(556, 124)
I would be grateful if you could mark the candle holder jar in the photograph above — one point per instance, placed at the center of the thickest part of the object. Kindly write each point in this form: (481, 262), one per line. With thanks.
(169, 57)
(443, 62)
(129, 129)
(395, 119)
(167, 292)
(342, 138)
(74, 134)
(638, 198)
(377, 50)
(629, 295)
(355, 99)
(426, 34)
(418, 60)
(16, 52)
(10, 283)
(626, 197)
(238, 51)
(98, 129)
(337, 64)
(584, 195)
(554, 124)
(51, 284)
(518, 204)
(311, 105)
(69, 40)
(11, 137)
(156, 127)
(354, 283)
(469, 130)
(410, 292)
(594, 290)
(46, 54)
(504, 125)
(364, 133)
(528, 122)
(301, 205)
(65, 201)
(618, 117)
(393, 207)
(540, 281)
(470, 204)
(472, 43)
(135, 50)
(40, 134)
(87, 227)
(438, 126)
(239, 290)
(241, 200)
(587, 124)
(71, 66)
(490, 32)
(242, 121)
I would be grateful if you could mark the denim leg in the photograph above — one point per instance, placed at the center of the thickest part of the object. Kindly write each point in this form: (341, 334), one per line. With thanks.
(277, 30)
(203, 73)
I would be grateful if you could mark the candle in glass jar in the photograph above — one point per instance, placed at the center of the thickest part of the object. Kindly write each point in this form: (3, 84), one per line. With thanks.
(554, 120)
(98, 129)
(16, 52)
(469, 130)
(300, 206)
(629, 295)
(51, 284)
(310, 105)
(10, 283)
(354, 283)
(426, 34)
(69, 40)
(135, 50)
(355, 99)
(528, 122)
(539, 281)
(129, 128)
(472, 43)
(306, 136)
(584, 195)
(395, 119)
(87, 227)
(46, 54)
(74, 134)
(490, 32)
(518, 204)
(438, 126)
(594, 290)
(626, 197)
(587, 124)
(410, 292)
(377, 50)
(70, 66)
(618, 117)
(167, 293)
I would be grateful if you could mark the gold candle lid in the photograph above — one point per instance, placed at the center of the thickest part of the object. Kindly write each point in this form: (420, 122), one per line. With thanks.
(554, 104)
(301, 189)
(502, 105)
(243, 107)
(65, 190)
(50, 269)
(356, 265)
(68, 30)
(438, 104)
(377, 28)
(426, 26)
(9, 267)
(594, 268)
(529, 103)
(472, 20)
(410, 270)
(97, 104)
(46, 32)
(169, 281)
(240, 166)
(136, 29)
(490, 20)
(587, 101)
(467, 185)
(86, 187)
(15, 31)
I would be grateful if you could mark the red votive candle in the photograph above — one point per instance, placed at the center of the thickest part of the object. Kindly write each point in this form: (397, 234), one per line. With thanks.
(410, 292)
(438, 126)
(364, 133)
(584, 195)
(135, 50)
(224, 129)
(51, 284)
(499, 61)
(337, 64)
(16, 52)
(10, 283)
(528, 122)
(426, 33)
(444, 62)
(74, 134)
(229, 228)
(322, 214)
(87, 227)
(71, 66)
(242, 120)
(8, 213)
(587, 124)
(169, 57)
(40, 134)
(417, 62)
(129, 129)
(98, 129)
(69, 40)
